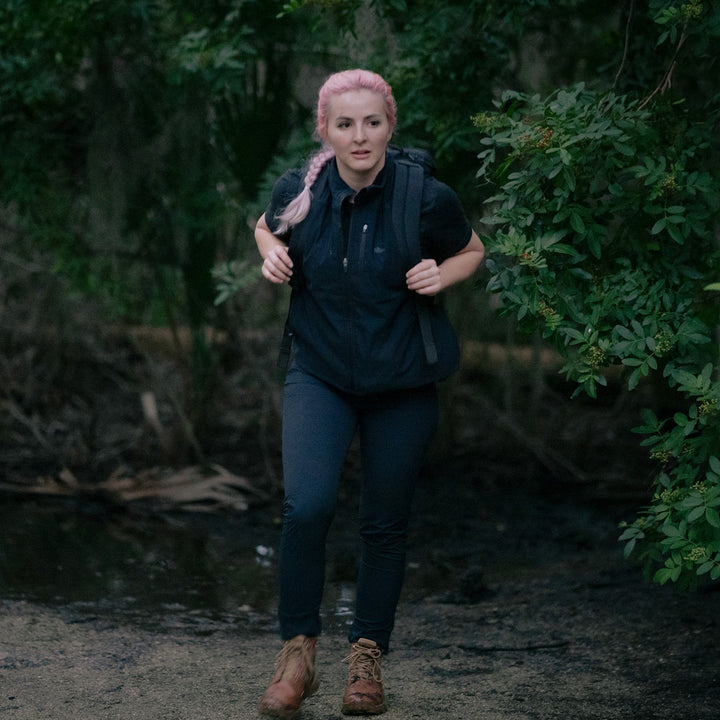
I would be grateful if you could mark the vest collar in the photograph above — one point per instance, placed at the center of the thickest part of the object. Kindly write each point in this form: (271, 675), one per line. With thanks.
(341, 190)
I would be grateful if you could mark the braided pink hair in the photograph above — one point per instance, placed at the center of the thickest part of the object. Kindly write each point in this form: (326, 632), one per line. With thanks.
(336, 84)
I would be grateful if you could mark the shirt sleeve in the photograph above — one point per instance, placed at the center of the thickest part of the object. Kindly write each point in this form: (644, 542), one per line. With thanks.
(287, 188)
(444, 228)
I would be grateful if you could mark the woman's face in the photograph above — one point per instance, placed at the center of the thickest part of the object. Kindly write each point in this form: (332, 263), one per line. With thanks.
(358, 131)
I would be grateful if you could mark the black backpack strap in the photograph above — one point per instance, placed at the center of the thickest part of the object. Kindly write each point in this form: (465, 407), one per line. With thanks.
(406, 202)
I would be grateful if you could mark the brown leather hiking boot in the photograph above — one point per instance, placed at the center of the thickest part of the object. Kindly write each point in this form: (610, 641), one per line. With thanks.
(364, 694)
(294, 679)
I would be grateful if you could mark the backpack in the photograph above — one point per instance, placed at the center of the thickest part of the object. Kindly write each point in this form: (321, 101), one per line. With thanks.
(411, 167)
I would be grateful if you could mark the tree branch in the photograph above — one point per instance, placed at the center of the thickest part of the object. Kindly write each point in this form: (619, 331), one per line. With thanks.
(627, 43)
(666, 81)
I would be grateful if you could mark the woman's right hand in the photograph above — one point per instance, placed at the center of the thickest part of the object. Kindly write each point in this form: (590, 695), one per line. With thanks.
(277, 266)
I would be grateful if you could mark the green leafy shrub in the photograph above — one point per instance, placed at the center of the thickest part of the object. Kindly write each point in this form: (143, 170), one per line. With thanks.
(604, 214)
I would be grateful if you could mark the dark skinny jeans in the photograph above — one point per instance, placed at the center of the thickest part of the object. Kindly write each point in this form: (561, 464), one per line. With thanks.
(319, 423)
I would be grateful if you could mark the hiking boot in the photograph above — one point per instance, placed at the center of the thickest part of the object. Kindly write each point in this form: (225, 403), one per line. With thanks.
(294, 679)
(364, 694)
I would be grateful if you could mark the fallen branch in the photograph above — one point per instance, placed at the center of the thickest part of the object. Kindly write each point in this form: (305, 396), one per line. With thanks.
(192, 489)
(483, 649)
(30, 424)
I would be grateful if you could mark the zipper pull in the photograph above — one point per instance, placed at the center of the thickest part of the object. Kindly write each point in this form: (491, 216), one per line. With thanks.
(345, 264)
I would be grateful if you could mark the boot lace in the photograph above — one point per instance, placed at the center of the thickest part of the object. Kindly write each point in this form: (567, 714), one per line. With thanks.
(365, 663)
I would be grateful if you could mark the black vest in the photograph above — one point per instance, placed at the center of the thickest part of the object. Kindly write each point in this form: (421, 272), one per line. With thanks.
(353, 320)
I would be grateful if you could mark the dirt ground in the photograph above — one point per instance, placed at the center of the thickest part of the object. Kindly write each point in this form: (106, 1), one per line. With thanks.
(518, 604)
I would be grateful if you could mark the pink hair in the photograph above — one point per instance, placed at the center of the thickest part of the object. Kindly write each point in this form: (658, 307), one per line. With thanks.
(336, 84)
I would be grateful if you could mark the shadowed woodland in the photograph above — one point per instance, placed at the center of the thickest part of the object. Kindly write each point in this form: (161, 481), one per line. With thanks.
(140, 142)
(140, 475)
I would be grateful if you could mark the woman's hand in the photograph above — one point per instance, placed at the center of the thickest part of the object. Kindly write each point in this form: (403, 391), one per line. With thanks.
(424, 278)
(277, 266)
(429, 278)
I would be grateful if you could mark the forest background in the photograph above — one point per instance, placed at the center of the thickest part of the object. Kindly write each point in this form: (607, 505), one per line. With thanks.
(140, 140)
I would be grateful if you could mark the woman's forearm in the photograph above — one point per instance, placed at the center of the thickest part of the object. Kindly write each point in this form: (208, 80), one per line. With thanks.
(264, 239)
(460, 267)
(277, 264)
(429, 278)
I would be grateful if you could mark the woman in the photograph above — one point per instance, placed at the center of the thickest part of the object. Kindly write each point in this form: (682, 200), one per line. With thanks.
(358, 365)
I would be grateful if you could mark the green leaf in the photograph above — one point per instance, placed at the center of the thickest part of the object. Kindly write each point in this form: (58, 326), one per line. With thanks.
(706, 567)
(594, 246)
(676, 234)
(634, 379)
(623, 149)
(662, 575)
(692, 501)
(713, 517)
(631, 532)
(577, 223)
(659, 226)
(629, 547)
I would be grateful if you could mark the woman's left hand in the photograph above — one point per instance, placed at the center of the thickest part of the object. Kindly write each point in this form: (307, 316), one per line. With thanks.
(424, 278)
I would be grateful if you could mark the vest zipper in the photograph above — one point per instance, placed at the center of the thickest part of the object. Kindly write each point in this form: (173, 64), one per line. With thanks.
(363, 242)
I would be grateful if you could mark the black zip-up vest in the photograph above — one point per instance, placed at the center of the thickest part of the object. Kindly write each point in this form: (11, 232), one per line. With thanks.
(353, 320)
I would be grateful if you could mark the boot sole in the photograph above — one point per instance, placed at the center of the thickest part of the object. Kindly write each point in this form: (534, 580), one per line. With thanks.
(269, 712)
(366, 710)
(289, 715)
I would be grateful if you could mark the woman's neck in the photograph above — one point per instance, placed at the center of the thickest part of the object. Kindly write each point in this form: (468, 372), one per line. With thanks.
(359, 181)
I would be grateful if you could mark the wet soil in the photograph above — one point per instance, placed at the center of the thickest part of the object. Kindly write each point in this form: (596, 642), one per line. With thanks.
(518, 604)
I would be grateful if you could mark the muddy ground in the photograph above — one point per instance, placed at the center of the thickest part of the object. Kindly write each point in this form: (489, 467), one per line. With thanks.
(518, 603)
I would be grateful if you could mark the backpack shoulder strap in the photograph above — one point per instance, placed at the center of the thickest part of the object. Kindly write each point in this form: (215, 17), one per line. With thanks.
(406, 204)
